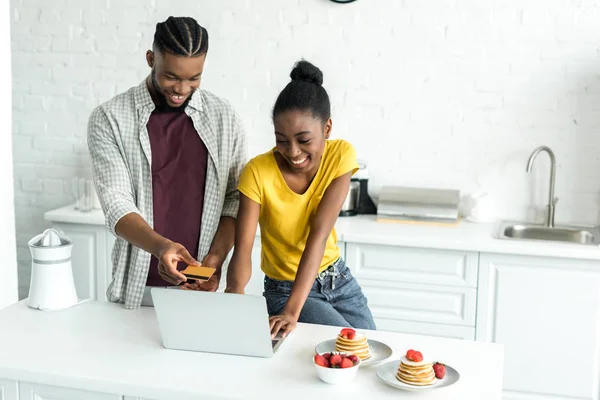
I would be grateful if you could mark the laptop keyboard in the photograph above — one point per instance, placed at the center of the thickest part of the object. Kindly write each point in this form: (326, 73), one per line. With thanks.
(277, 339)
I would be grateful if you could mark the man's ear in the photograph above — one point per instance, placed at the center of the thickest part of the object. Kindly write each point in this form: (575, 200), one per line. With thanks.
(328, 127)
(150, 58)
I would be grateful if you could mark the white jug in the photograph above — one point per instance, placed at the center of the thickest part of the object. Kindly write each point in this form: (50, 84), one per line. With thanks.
(52, 286)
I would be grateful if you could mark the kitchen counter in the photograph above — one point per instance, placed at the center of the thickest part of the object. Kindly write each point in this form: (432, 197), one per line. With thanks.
(463, 236)
(69, 214)
(102, 347)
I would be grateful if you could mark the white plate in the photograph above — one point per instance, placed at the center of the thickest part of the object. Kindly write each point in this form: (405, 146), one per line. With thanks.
(387, 373)
(379, 351)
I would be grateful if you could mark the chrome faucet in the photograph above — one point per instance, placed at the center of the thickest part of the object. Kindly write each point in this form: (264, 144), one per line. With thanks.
(551, 199)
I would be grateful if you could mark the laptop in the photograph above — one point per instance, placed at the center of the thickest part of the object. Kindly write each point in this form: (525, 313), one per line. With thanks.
(211, 322)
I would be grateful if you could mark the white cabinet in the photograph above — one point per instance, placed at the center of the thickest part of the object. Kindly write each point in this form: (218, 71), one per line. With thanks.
(8, 390)
(413, 264)
(256, 284)
(416, 290)
(546, 313)
(135, 398)
(33, 391)
(422, 328)
(92, 269)
(13, 390)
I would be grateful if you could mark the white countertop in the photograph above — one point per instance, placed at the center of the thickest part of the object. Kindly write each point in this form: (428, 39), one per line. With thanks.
(106, 348)
(464, 236)
(69, 214)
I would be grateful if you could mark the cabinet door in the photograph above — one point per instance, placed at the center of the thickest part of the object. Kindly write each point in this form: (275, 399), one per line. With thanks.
(85, 242)
(135, 398)
(89, 259)
(413, 290)
(256, 284)
(389, 300)
(546, 313)
(421, 328)
(34, 391)
(342, 247)
(412, 265)
(8, 390)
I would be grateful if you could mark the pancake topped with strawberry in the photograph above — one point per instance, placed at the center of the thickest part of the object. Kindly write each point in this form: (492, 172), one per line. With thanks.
(350, 341)
(413, 370)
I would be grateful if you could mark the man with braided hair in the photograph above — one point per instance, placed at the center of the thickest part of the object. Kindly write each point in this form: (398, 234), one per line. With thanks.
(167, 157)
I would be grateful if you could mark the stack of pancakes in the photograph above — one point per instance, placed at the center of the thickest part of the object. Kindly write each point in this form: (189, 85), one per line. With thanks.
(357, 346)
(415, 373)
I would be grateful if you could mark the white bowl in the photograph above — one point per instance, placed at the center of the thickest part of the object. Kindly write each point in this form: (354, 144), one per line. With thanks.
(336, 376)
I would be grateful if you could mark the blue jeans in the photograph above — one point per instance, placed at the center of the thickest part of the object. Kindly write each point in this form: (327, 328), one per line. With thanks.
(334, 299)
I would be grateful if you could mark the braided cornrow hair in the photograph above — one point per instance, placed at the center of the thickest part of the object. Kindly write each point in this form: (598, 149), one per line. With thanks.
(181, 36)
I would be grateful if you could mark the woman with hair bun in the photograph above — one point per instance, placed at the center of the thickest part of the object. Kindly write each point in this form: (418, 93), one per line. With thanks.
(295, 192)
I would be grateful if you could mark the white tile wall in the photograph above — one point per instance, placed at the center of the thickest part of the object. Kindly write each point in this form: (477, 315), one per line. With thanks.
(432, 93)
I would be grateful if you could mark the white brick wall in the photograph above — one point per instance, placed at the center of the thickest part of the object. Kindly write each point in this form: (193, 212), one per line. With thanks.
(8, 268)
(432, 93)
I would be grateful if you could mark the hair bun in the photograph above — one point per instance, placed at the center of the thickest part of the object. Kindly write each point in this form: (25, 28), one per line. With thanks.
(305, 71)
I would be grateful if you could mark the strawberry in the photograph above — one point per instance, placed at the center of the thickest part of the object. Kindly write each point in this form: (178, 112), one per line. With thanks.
(439, 369)
(335, 360)
(348, 333)
(417, 356)
(322, 361)
(327, 355)
(353, 358)
(346, 363)
(414, 356)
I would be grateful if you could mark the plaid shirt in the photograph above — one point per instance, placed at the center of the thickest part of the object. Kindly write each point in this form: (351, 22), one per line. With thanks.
(120, 153)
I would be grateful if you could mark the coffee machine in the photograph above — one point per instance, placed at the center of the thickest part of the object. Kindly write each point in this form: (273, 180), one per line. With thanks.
(358, 200)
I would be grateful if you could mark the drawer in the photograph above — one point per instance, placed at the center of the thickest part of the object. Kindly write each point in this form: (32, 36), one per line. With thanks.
(8, 390)
(421, 328)
(420, 303)
(34, 391)
(414, 265)
(134, 398)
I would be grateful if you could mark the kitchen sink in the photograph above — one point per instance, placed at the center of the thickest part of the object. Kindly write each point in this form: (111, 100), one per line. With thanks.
(567, 234)
(585, 235)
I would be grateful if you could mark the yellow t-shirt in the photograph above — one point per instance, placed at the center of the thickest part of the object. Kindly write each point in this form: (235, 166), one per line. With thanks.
(285, 215)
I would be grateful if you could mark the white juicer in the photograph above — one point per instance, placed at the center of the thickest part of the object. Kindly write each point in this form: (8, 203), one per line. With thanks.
(52, 286)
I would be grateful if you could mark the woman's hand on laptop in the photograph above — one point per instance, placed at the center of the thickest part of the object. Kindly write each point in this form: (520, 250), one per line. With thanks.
(283, 324)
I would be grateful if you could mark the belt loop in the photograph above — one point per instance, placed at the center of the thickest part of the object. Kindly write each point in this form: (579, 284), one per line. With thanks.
(333, 275)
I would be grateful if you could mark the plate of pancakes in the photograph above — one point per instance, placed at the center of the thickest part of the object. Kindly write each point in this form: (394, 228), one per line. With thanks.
(349, 341)
(415, 376)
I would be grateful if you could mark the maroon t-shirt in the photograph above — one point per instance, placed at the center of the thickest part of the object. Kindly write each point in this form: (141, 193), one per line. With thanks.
(179, 160)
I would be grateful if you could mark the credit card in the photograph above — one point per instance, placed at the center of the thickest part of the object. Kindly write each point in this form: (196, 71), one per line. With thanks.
(198, 272)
